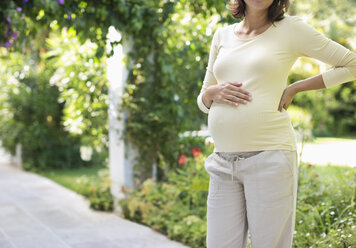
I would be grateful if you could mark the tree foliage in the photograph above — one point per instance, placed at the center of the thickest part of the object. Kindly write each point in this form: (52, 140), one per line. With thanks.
(168, 61)
(170, 41)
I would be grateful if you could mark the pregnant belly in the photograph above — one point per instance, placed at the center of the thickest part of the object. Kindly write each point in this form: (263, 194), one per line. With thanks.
(251, 123)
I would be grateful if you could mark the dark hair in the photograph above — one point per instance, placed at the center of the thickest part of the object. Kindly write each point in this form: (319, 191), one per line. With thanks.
(275, 11)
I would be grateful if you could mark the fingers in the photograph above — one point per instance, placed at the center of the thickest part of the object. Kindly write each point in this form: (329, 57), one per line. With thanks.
(280, 106)
(282, 101)
(229, 102)
(232, 103)
(234, 95)
(239, 84)
(236, 99)
(241, 95)
(236, 83)
(237, 92)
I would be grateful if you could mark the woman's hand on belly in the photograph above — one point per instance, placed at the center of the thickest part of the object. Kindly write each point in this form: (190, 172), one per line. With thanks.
(228, 93)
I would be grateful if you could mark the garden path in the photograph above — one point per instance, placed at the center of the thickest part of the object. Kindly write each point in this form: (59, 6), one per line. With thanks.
(36, 212)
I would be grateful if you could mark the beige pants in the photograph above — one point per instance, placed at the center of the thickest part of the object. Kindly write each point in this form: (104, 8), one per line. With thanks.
(255, 192)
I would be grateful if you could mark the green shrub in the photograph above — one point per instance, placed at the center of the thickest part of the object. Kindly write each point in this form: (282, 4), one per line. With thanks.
(97, 190)
(175, 207)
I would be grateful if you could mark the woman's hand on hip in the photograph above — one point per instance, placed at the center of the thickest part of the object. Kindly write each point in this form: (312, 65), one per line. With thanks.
(287, 97)
(229, 93)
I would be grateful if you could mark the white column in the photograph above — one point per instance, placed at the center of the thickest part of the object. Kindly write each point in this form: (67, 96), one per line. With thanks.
(18, 156)
(120, 154)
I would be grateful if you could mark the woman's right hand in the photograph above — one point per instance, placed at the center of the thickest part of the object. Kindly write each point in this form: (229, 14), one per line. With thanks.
(228, 93)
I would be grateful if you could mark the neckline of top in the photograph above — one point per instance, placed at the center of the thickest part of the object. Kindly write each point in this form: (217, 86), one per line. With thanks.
(257, 36)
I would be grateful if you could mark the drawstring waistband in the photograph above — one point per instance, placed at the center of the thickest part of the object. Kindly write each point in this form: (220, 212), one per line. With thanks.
(233, 166)
(236, 157)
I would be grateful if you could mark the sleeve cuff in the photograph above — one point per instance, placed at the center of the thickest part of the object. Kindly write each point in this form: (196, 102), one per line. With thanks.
(201, 105)
(337, 76)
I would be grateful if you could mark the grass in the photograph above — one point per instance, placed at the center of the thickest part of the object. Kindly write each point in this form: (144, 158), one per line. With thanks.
(91, 182)
(69, 178)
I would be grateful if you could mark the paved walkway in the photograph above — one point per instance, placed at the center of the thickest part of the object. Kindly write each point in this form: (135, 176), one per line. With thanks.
(36, 212)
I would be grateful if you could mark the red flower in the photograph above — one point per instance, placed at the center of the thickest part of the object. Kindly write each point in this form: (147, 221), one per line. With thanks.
(182, 159)
(310, 165)
(92, 190)
(196, 151)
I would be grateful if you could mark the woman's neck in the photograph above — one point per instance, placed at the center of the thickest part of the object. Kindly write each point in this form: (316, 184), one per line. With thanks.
(255, 20)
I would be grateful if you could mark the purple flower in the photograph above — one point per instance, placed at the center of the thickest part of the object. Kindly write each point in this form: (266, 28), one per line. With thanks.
(68, 17)
(15, 35)
(25, 1)
(8, 19)
(61, 1)
(7, 44)
(19, 9)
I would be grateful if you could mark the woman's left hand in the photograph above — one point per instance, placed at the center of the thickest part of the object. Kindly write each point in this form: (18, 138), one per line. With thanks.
(287, 97)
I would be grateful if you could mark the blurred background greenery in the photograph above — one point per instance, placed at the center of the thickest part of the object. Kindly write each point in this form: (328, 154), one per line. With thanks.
(54, 100)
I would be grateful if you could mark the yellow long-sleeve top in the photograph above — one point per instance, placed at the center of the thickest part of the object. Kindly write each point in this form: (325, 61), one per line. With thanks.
(262, 63)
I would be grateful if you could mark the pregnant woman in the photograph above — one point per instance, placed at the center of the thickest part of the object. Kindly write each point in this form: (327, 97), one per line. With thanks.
(254, 166)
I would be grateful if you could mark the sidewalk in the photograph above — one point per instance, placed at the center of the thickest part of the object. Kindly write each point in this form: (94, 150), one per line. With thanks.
(36, 212)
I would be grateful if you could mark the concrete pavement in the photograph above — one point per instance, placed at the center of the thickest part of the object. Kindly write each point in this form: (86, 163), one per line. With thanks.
(36, 212)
